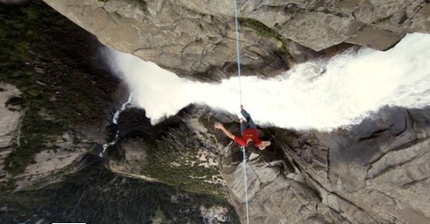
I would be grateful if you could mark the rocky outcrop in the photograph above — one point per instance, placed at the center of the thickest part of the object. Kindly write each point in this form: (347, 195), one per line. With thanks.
(61, 153)
(374, 172)
(213, 215)
(198, 37)
(54, 162)
(53, 167)
(180, 151)
(381, 165)
(47, 119)
(10, 117)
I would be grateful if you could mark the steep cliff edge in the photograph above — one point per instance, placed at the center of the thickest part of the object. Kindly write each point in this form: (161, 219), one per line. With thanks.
(197, 37)
(55, 106)
(374, 172)
(53, 99)
(11, 114)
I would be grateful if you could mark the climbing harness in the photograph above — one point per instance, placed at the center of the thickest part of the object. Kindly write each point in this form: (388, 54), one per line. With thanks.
(240, 96)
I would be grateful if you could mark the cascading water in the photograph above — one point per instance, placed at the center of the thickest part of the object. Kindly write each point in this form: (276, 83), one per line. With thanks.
(115, 121)
(315, 95)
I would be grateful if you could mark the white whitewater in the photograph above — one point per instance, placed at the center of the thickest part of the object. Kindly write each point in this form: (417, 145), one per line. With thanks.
(315, 95)
(124, 106)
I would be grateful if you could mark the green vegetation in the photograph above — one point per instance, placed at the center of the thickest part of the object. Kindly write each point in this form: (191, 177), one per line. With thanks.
(159, 215)
(95, 195)
(47, 57)
(141, 4)
(261, 29)
(173, 160)
(266, 32)
(171, 148)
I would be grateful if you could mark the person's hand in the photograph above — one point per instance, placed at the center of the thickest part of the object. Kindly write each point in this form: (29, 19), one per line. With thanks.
(218, 125)
(241, 107)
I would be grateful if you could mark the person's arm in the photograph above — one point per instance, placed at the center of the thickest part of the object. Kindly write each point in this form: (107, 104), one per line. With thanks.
(220, 126)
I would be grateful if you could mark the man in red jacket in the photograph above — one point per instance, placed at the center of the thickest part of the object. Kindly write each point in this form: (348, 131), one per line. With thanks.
(249, 132)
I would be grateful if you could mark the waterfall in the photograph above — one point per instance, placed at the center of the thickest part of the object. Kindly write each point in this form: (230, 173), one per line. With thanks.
(321, 94)
(115, 121)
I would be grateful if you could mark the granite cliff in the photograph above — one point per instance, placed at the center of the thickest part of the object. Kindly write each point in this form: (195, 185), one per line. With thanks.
(373, 172)
(198, 36)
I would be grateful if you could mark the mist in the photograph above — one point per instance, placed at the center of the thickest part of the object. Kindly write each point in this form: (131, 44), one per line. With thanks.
(319, 95)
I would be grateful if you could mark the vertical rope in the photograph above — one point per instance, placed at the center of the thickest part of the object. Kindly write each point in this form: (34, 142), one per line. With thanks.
(240, 96)
(246, 184)
(238, 50)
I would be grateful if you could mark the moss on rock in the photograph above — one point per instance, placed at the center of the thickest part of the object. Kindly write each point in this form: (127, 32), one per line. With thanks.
(49, 59)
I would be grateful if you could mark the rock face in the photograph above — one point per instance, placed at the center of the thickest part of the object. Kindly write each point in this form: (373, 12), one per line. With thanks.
(10, 116)
(373, 172)
(47, 120)
(381, 166)
(61, 159)
(50, 169)
(376, 172)
(180, 151)
(198, 37)
(63, 152)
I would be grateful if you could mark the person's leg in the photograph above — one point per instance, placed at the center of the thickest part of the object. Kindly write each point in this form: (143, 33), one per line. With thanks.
(243, 126)
(249, 120)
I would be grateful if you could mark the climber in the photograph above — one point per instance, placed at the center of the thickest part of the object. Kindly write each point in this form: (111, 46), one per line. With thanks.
(248, 130)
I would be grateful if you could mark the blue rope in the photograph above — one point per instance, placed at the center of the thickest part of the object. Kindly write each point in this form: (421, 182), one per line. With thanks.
(237, 50)
(240, 95)
(246, 184)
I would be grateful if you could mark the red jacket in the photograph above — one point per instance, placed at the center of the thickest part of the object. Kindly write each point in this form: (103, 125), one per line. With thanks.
(248, 134)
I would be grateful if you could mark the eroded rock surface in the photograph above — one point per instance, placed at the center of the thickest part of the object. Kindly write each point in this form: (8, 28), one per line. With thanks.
(10, 117)
(374, 172)
(197, 37)
(51, 164)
